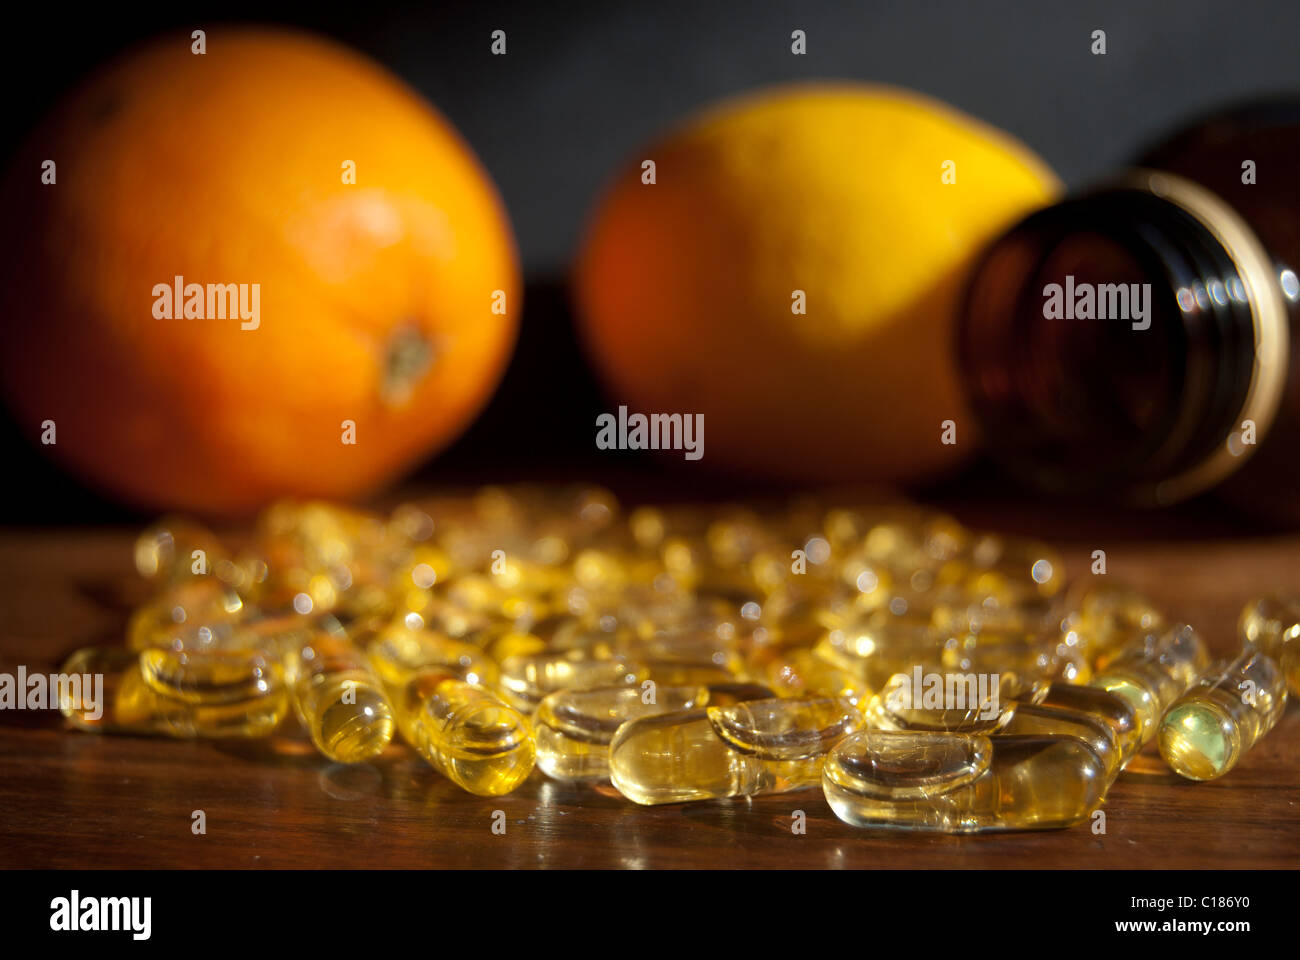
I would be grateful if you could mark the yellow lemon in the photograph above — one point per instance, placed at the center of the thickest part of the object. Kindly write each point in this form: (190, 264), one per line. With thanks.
(789, 265)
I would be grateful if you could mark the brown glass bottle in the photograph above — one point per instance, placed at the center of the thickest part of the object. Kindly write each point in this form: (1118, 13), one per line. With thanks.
(1140, 341)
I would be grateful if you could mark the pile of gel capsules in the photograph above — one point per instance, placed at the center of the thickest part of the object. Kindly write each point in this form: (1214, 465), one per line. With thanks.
(925, 676)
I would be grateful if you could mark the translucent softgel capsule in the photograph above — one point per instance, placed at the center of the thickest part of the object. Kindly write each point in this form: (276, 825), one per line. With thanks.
(718, 647)
(463, 730)
(875, 652)
(1208, 728)
(1272, 624)
(109, 694)
(125, 703)
(747, 749)
(187, 608)
(1035, 659)
(230, 692)
(526, 680)
(900, 537)
(1029, 719)
(396, 651)
(801, 673)
(1012, 570)
(573, 728)
(317, 552)
(969, 615)
(962, 783)
(791, 729)
(581, 639)
(725, 694)
(935, 698)
(473, 738)
(339, 699)
(1116, 712)
(175, 548)
(502, 643)
(407, 692)
(1105, 617)
(1153, 673)
(275, 636)
(684, 672)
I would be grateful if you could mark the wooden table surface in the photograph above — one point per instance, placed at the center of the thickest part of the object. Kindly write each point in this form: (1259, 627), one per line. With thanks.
(71, 799)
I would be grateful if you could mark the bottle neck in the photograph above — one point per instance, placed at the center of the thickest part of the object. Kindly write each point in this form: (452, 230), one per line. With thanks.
(1115, 343)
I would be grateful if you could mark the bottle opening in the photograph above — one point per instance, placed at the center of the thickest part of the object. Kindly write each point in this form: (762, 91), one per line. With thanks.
(1106, 344)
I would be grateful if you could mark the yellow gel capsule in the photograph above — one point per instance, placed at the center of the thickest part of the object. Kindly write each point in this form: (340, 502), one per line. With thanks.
(1012, 570)
(108, 694)
(396, 651)
(1109, 606)
(785, 729)
(418, 572)
(573, 728)
(317, 551)
(176, 548)
(648, 526)
(277, 635)
(702, 647)
(339, 699)
(580, 640)
(646, 610)
(407, 693)
(962, 783)
(191, 608)
(1106, 617)
(478, 593)
(1154, 672)
(800, 673)
(510, 642)
(526, 680)
(868, 587)
(1206, 730)
(935, 699)
(409, 523)
(899, 537)
(127, 704)
(601, 570)
(321, 534)
(683, 672)
(1033, 660)
(464, 731)
(964, 616)
(472, 738)
(229, 690)
(725, 694)
(1116, 712)
(685, 756)
(456, 622)
(1028, 719)
(1272, 625)
(734, 537)
(876, 652)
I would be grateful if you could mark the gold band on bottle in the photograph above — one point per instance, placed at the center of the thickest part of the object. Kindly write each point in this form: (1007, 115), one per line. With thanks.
(1268, 317)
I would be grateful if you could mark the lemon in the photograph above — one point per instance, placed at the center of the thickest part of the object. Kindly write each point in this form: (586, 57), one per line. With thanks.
(789, 265)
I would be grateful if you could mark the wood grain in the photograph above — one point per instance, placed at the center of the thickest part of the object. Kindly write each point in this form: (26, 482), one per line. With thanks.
(70, 799)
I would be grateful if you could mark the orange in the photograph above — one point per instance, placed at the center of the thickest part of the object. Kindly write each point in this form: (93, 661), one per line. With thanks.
(688, 287)
(388, 303)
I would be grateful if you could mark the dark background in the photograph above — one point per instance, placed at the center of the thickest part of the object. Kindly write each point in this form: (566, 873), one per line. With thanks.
(583, 84)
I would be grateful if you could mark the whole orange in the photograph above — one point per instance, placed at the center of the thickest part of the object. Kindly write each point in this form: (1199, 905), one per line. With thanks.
(372, 253)
(790, 268)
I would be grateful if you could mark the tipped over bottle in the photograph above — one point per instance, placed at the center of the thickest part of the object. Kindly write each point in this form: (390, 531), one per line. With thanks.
(1138, 342)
